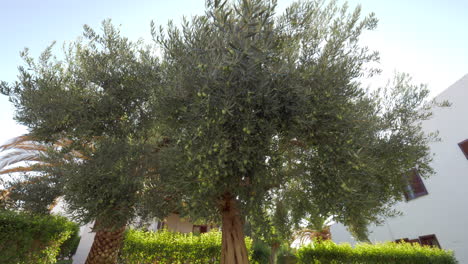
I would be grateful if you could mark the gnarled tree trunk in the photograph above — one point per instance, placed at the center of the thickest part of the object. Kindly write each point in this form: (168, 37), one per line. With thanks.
(233, 249)
(106, 246)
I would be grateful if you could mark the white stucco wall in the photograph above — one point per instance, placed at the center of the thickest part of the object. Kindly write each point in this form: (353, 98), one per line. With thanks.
(444, 211)
(86, 236)
(86, 241)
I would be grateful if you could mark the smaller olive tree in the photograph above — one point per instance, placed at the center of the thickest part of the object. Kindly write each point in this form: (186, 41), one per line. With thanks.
(96, 101)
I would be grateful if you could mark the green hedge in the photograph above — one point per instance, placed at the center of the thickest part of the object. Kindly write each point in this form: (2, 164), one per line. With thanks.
(164, 247)
(385, 253)
(33, 239)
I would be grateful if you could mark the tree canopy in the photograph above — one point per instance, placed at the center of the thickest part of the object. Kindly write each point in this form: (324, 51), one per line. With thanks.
(260, 106)
(90, 113)
(243, 109)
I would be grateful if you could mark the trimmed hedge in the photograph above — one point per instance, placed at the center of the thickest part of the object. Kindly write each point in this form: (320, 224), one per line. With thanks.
(33, 239)
(164, 247)
(328, 252)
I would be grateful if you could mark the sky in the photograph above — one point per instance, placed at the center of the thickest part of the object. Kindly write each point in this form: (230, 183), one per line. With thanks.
(426, 38)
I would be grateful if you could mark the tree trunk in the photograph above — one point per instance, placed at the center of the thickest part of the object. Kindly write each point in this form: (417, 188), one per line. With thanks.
(274, 250)
(106, 246)
(233, 249)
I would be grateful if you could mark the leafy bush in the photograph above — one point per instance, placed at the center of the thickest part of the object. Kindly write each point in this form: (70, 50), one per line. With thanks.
(164, 247)
(286, 255)
(68, 261)
(33, 239)
(260, 252)
(385, 253)
(68, 248)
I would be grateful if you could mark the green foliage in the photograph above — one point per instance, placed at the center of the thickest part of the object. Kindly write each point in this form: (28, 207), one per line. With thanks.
(243, 104)
(286, 255)
(166, 247)
(33, 194)
(33, 239)
(328, 252)
(262, 107)
(260, 252)
(91, 113)
(70, 261)
(272, 229)
(69, 247)
(29, 192)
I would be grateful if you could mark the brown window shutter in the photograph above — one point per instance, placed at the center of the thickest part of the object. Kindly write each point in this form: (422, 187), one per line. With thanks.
(417, 184)
(429, 240)
(199, 229)
(416, 187)
(203, 229)
(402, 240)
(464, 147)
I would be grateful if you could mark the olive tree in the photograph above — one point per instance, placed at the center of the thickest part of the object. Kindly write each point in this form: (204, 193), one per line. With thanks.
(261, 107)
(90, 112)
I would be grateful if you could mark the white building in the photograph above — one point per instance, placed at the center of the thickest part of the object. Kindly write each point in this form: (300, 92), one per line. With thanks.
(437, 211)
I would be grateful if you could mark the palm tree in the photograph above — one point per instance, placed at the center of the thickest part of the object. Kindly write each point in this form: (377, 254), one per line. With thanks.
(316, 229)
(21, 149)
(25, 149)
(26, 155)
(23, 155)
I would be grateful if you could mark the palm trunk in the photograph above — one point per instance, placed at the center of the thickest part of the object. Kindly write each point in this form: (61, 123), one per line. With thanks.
(233, 249)
(106, 246)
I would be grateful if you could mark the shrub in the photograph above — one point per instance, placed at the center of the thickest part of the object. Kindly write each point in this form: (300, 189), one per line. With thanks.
(286, 255)
(164, 247)
(384, 253)
(32, 239)
(260, 252)
(68, 248)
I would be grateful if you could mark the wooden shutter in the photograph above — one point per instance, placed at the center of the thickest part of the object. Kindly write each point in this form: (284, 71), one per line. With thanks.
(429, 240)
(203, 229)
(199, 229)
(417, 184)
(464, 147)
(402, 240)
(416, 187)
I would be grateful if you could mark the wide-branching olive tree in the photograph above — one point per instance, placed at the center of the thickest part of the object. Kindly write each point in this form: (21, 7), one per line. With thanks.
(262, 107)
(97, 101)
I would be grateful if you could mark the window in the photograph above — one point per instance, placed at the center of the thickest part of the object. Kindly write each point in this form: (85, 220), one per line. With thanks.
(415, 186)
(416, 240)
(464, 147)
(428, 240)
(199, 229)
(160, 225)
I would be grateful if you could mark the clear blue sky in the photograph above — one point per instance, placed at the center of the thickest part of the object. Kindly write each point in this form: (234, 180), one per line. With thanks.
(426, 38)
